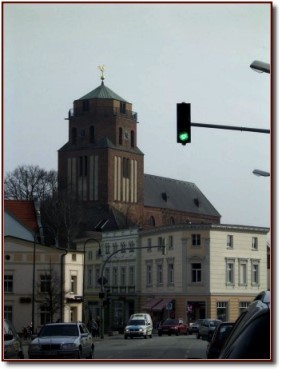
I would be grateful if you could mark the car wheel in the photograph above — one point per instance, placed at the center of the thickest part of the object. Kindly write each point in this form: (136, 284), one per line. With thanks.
(177, 333)
(78, 355)
(198, 336)
(151, 335)
(145, 336)
(125, 336)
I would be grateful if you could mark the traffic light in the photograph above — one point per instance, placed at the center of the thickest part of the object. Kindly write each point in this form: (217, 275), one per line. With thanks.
(183, 123)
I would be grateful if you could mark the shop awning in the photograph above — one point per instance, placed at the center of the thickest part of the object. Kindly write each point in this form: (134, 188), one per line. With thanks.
(151, 303)
(162, 304)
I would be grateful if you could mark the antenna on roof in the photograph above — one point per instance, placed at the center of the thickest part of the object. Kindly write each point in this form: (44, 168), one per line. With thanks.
(102, 69)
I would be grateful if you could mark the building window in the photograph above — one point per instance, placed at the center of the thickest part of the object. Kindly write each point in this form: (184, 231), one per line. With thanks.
(159, 274)
(170, 273)
(243, 305)
(97, 275)
(85, 105)
(229, 241)
(45, 316)
(122, 107)
(196, 272)
(170, 242)
(131, 246)
(45, 283)
(74, 284)
(152, 222)
(115, 276)
(89, 277)
(132, 138)
(107, 248)
(149, 280)
(230, 272)
(131, 279)
(120, 136)
(149, 244)
(8, 312)
(255, 273)
(8, 283)
(115, 246)
(91, 134)
(242, 272)
(83, 165)
(222, 310)
(196, 240)
(73, 257)
(126, 168)
(254, 243)
(160, 243)
(107, 275)
(123, 247)
(90, 255)
(122, 276)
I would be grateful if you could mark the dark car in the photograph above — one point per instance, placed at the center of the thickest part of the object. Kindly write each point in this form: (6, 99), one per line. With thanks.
(12, 342)
(194, 327)
(218, 339)
(207, 328)
(250, 337)
(173, 326)
(62, 340)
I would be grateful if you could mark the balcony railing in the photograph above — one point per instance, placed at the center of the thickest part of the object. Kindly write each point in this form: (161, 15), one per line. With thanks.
(103, 112)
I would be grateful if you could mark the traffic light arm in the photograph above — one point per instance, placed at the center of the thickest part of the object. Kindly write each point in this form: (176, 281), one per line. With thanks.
(226, 127)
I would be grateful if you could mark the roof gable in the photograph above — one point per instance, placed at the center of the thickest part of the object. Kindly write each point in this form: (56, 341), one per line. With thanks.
(177, 195)
(23, 211)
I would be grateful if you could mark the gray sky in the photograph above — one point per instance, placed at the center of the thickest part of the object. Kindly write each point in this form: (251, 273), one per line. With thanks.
(155, 56)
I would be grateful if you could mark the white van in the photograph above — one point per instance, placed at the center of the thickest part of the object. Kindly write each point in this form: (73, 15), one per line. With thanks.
(139, 324)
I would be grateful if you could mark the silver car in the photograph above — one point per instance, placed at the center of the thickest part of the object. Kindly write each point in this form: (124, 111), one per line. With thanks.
(62, 340)
(12, 342)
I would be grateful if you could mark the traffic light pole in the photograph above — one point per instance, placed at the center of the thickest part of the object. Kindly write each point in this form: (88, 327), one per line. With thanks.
(102, 293)
(226, 127)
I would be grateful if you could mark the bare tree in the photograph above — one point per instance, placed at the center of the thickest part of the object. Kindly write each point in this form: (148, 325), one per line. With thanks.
(28, 182)
(49, 292)
(65, 216)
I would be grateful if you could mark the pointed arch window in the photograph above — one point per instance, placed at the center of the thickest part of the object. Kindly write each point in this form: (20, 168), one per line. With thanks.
(152, 221)
(120, 136)
(132, 138)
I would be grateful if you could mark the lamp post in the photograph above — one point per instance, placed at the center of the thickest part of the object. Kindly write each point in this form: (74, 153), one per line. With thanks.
(83, 281)
(33, 272)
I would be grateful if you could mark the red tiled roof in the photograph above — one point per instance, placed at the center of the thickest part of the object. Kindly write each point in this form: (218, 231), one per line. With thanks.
(23, 211)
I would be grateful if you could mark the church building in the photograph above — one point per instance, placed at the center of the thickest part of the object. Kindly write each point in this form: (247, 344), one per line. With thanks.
(102, 167)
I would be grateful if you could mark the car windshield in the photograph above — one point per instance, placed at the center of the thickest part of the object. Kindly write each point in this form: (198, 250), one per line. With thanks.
(59, 330)
(136, 322)
(170, 322)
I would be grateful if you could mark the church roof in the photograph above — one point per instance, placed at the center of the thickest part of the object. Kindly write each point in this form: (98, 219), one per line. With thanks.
(23, 211)
(176, 195)
(102, 92)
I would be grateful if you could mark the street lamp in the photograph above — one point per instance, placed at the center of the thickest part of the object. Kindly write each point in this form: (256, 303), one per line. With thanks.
(258, 172)
(33, 272)
(83, 282)
(260, 67)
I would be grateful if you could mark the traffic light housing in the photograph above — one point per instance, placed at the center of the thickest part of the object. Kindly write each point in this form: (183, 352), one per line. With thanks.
(183, 123)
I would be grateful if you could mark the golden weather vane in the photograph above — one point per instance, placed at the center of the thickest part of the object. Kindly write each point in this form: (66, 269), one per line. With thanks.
(102, 69)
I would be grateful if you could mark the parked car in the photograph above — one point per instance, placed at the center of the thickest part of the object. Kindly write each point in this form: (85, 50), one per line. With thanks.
(62, 340)
(12, 342)
(250, 337)
(173, 326)
(218, 339)
(138, 327)
(206, 329)
(194, 327)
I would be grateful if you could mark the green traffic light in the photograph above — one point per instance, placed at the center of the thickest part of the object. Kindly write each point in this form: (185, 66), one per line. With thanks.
(184, 136)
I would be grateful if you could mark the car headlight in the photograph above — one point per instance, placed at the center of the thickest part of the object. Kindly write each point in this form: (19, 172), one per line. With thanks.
(34, 347)
(68, 346)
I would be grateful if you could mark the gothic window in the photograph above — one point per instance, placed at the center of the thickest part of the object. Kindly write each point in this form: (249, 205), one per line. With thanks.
(132, 138)
(83, 165)
(120, 136)
(122, 107)
(126, 168)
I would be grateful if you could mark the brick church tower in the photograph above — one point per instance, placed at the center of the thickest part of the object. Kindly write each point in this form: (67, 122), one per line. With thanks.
(101, 165)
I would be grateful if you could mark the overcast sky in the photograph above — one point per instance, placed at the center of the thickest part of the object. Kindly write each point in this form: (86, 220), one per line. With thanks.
(155, 56)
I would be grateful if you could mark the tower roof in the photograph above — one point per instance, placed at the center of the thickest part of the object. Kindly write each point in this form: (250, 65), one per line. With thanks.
(103, 92)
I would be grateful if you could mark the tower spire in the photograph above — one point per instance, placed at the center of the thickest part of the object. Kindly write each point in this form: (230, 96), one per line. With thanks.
(102, 69)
